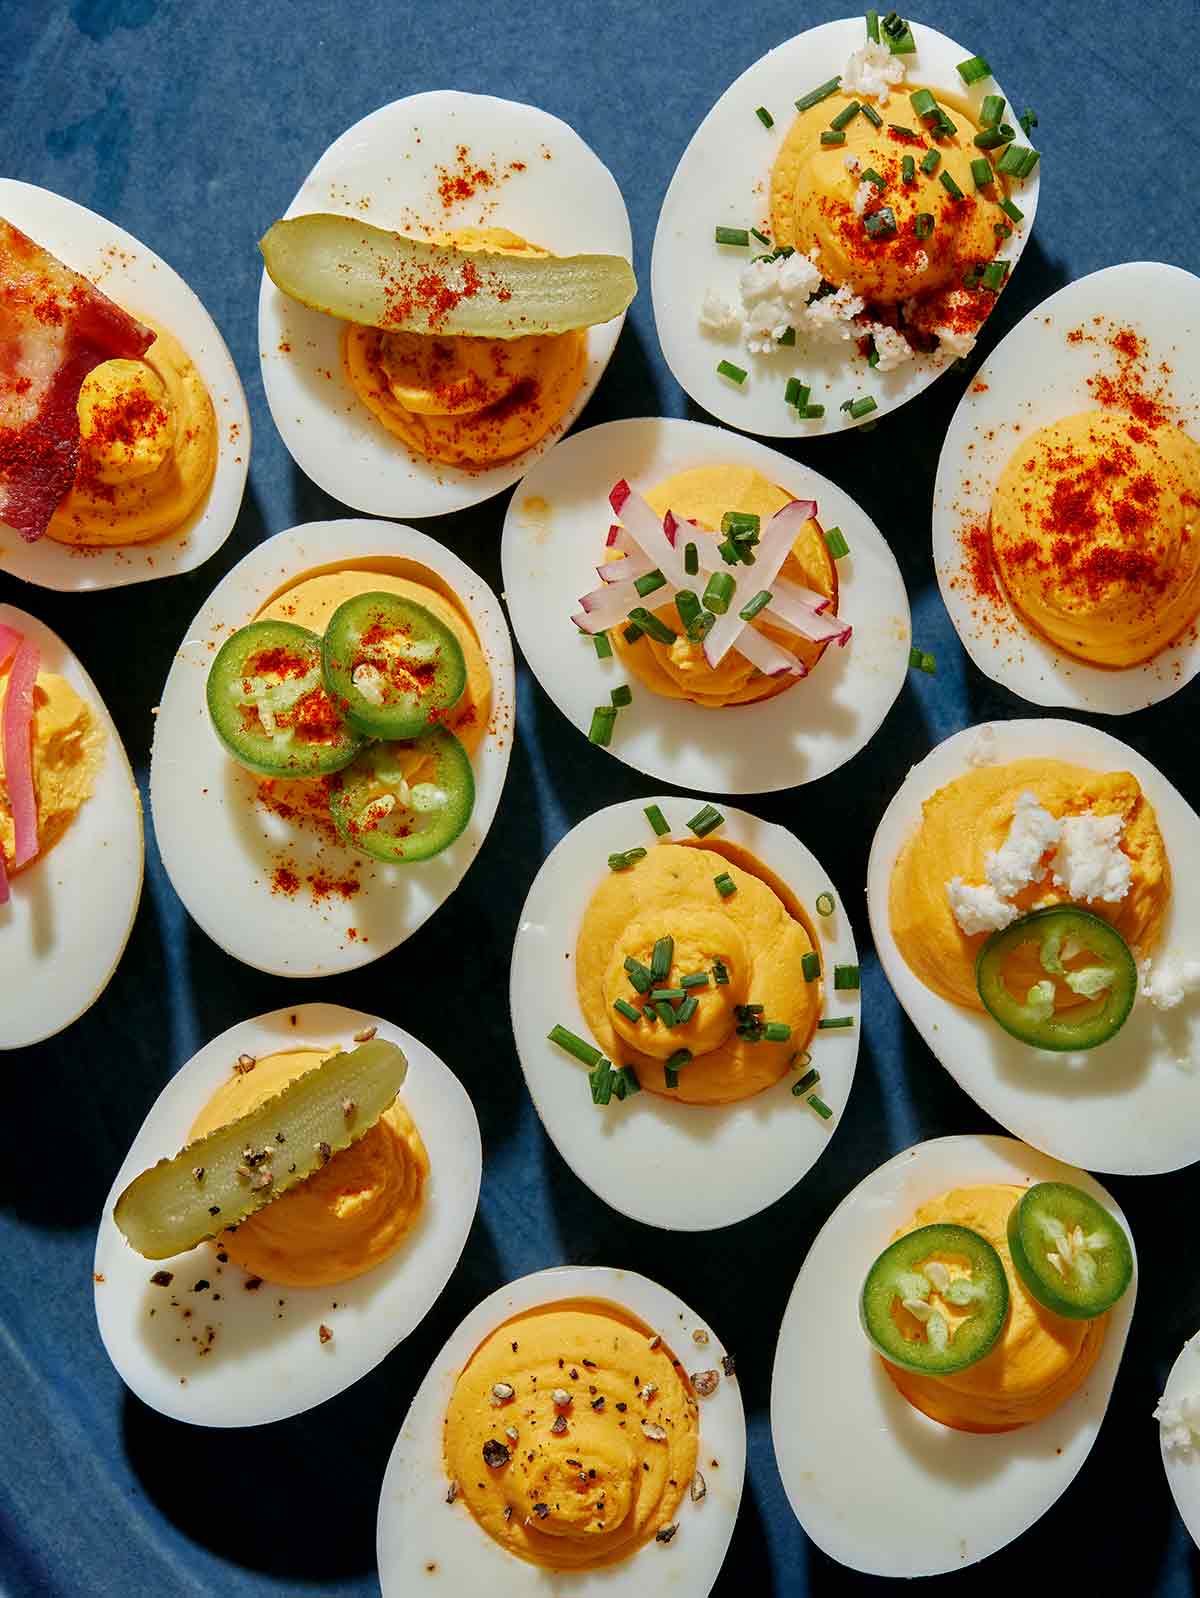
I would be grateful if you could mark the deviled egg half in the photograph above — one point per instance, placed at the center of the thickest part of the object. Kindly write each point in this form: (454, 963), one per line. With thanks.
(713, 613)
(331, 745)
(965, 1363)
(441, 300)
(1027, 899)
(160, 433)
(1178, 1416)
(254, 1271)
(70, 835)
(583, 1425)
(1066, 527)
(839, 227)
(685, 1002)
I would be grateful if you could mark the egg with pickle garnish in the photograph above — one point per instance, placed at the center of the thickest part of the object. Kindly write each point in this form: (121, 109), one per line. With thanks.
(967, 1305)
(840, 226)
(331, 745)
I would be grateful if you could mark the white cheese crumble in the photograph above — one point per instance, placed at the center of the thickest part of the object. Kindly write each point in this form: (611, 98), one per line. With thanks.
(1018, 860)
(1180, 1422)
(830, 318)
(863, 195)
(892, 348)
(872, 72)
(983, 747)
(718, 316)
(852, 163)
(1166, 982)
(1090, 863)
(978, 909)
(953, 343)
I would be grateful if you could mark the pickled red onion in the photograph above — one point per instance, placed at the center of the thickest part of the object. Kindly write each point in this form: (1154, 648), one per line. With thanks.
(18, 753)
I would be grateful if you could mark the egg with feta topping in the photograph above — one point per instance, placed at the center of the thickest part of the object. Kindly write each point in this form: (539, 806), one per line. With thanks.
(1178, 1417)
(1025, 899)
(322, 1282)
(714, 614)
(839, 227)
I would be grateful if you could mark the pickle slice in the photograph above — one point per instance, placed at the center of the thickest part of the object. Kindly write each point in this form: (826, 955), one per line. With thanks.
(224, 1177)
(365, 274)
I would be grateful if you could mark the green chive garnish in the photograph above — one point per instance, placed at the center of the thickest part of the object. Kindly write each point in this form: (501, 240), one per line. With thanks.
(898, 34)
(665, 1013)
(835, 1023)
(981, 172)
(747, 1012)
(728, 552)
(993, 138)
(619, 862)
(835, 543)
(872, 115)
(815, 96)
(833, 138)
(951, 187)
(873, 26)
(973, 70)
(658, 630)
(694, 979)
(880, 224)
(602, 646)
(862, 406)
(733, 235)
(622, 695)
(691, 559)
(604, 719)
(944, 128)
(700, 630)
(761, 237)
(688, 606)
(686, 1010)
(632, 1085)
(629, 1011)
(825, 904)
(1012, 212)
(777, 1032)
(706, 821)
(846, 977)
(820, 1106)
(1018, 161)
(639, 975)
(735, 374)
(994, 275)
(657, 820)
(725, 885)
(922, 660)
(675, 1064)
(808, 1080)
(760, 602)
(845, 116)
(718, 592)
(991, 111)
(930, 160)
(720, 973)
(740, 521)
(787, 337)
(660, 960)
(908, 169)
(924, 105)
(583, 1052)
(871, 176)
(810, 965)
(632, 633)
(601, 1082)
(1002, 230)
(810, 413)
(923, 221)
(666, 994)
(791, 392)
(1028, 120)
(765, 117)
(648, 582)
(802, 396)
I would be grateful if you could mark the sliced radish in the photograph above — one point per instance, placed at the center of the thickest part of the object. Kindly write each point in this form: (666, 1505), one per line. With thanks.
(806, 623)
(610, 605)
(18, 753)
(648, 532)
(795, 594)
(773, 548)
(768, 657)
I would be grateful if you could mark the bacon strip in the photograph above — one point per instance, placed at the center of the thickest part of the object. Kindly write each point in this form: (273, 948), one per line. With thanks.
(55, 327)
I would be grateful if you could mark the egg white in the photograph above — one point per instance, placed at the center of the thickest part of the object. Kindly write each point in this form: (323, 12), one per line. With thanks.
(220, 851)
(686, 1167)
(417, 1528)
(69, 915)
(144, 285)
(1002, 407)
(1131, 1106)
(267, 1361)
(1183, 1466)
(722, 180)
(383, 170)
(554, 535)
(876, 1484)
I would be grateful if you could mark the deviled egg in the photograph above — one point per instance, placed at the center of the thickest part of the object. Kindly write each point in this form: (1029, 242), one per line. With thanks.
(152, 444)
(446, 362)
(1066, 534)
(839, 227)
(939, 1453)
(1178, 1416)
(70, 835)
(685, 1004)
(581, 1424)
(331, 745)
(1026, 900)
(322, 1278)
(715, 614)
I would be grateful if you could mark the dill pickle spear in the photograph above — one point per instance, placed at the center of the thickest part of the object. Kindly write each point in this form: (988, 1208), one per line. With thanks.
(224, 1177)
(349, 269)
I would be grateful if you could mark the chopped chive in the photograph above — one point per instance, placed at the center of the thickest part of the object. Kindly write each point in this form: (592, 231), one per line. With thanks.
(1002, 230)
(747, 1012)
(660, 960)
(601, 1082)
(994, 275)
(665, 1013)
(648, 582)
(604, 719)
(810, 966)
(632, 1084)
(602, 646)
(825, 904)
(846, 977)
(862, 406)
(993, 138)
(760, 602)
(923, 221)
(1012, 212)
(761, 237)
(869, 175)
(735, 374)
(725, 885)
(802, 396)
(657, 820)
(574, 1045)
(700, 630)
(924, 105)
(691, 559)
(981, 172)
(1028, 120)
(835, 543)
(991, 111)
(619, 1088)
(873, 356)
(744, 553)
(791, 392)
(632, 633)
(619, 862)
(810, 413)
(973, 70)
(649, 1016)
(667, 994)
(922, 660)
(873, 26)
(777, 1032)
(845, 116)
(787, 337)
(720, 973)
(834, 1023)
(621, 695)
(898, 34)
(687, 604)
(880, 224)
(872, 115)
(833, 138)
(629, 1011)
(903, 132)
(658, 630)
(694, 979)
(728, 552)
(675, 1064)
(686, 1010)
(718, 592)
(733, 235)
(951, 187)
(765, 117)
(930, 160)
(820, 1106)
(908, 169)
(808, 1080)
(706, 821)
(943, 128)
(639, 975)
(1018, 161)
(815, 96)
(740, 521)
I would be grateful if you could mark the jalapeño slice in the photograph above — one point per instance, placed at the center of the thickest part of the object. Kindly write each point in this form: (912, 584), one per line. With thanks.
(911, 1286)
(1076, 971)
(1069, 1252)
(268, 704)
(390, 664)
(404, 802)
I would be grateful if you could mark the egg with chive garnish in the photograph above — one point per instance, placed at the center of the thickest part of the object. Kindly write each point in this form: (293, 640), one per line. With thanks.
(1064, 519)
(265, 1321)
(404, 423)
(839, 226)
(685, 996)
(878, 1485)
(303, 875)
(714, 614)
(1123, 1103)
(66, 914)
(614, 1392)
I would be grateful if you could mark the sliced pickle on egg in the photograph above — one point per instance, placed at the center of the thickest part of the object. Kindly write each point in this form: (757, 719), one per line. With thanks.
(223, 1178)
(364, 274)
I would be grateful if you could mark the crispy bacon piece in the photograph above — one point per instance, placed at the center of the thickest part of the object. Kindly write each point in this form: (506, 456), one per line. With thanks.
(55, 327)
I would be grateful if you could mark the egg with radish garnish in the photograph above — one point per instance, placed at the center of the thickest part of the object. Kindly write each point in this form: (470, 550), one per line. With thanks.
(290, 1210)
(714, 614)
(839, 227)
(440, 301)
(685, 1002)
(331, 745)
(1064, 515)
(135, 436)
(71, 851)
(954, 1406)
(1024, 889)
(581, 1424)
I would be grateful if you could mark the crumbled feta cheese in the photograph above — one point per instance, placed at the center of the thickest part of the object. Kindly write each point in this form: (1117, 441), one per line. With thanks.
(953, 343)
(983, 747)
(1180, 1422)
(759, 281)
(1090, 863)
(863, 195)
(764, 325)
(978, 909)
(852, 163)
(1166, 982)
(831, 317)
(872, 71)
(1018, 860)
(799, 279)
(718, 316)
(892, 348)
